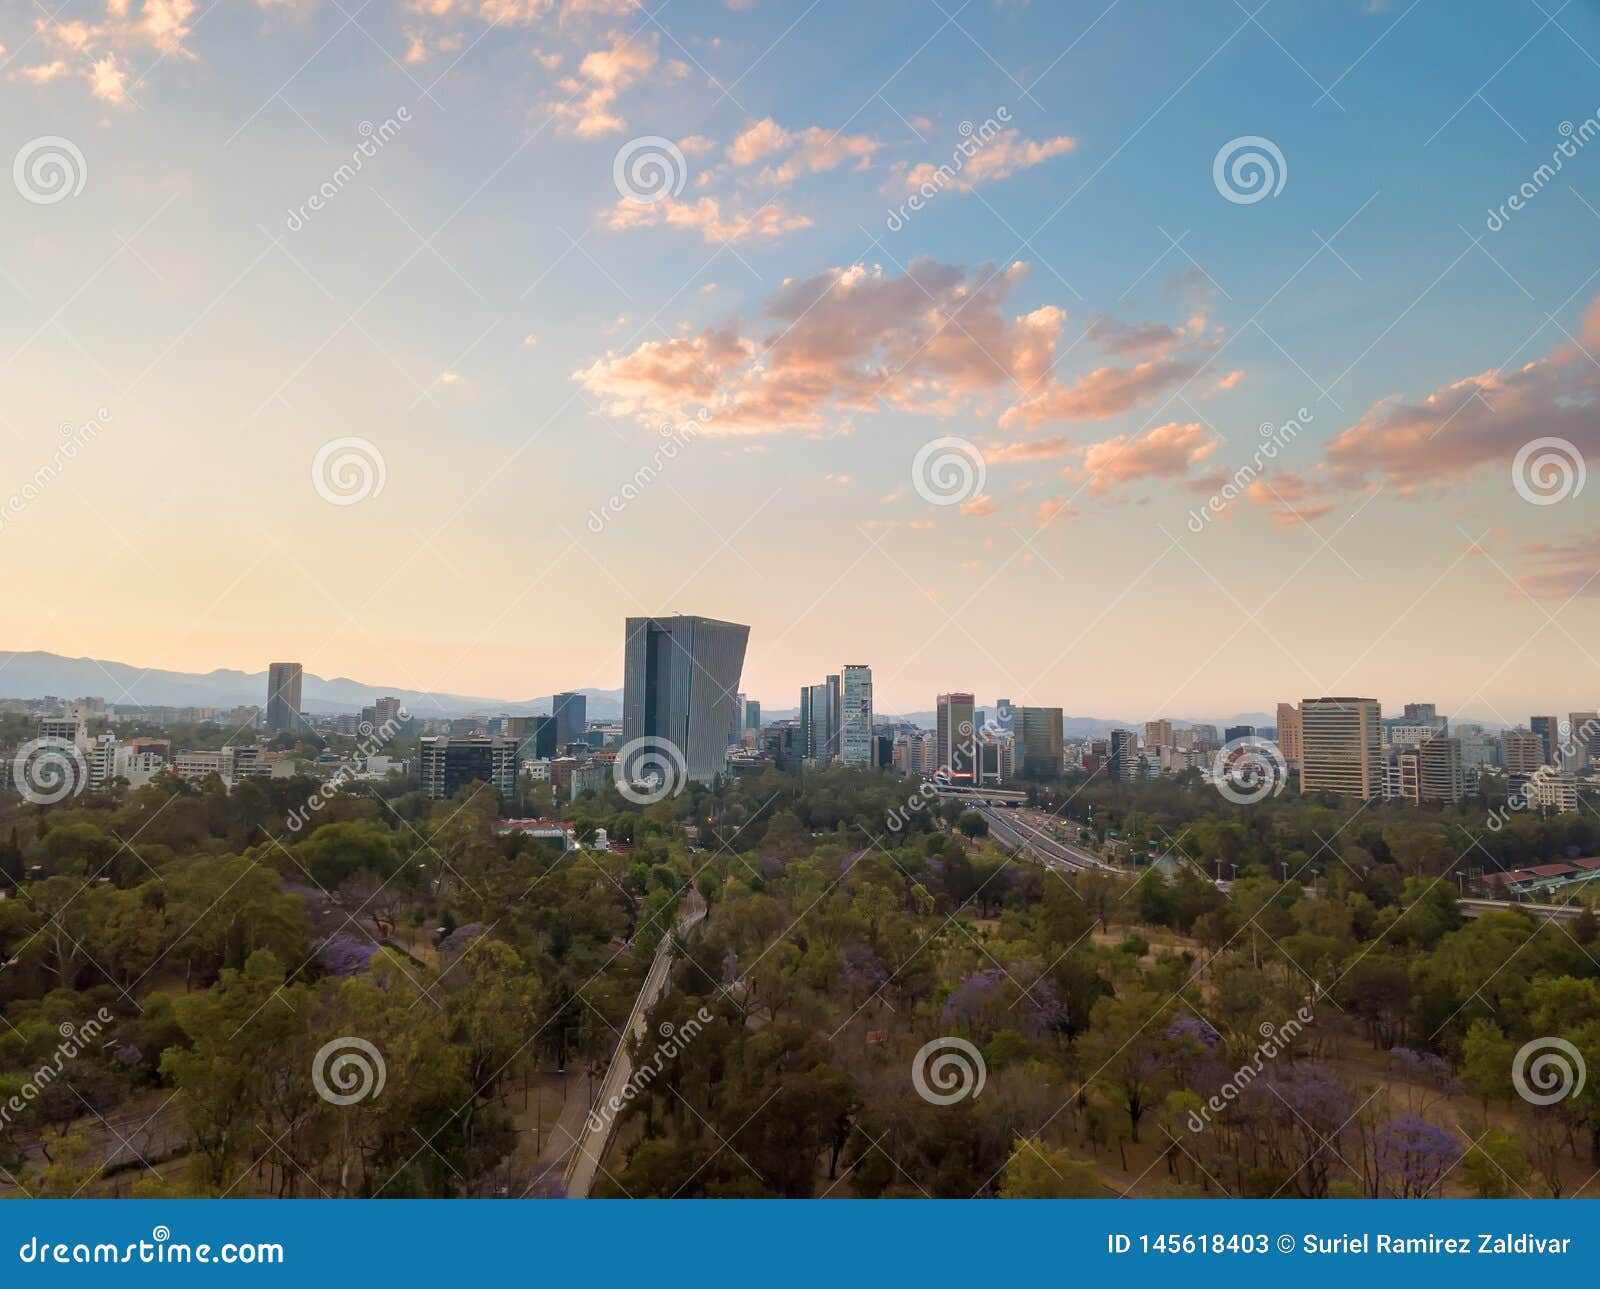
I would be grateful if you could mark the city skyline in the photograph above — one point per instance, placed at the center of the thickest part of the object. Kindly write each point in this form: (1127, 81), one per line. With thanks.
(480, 305)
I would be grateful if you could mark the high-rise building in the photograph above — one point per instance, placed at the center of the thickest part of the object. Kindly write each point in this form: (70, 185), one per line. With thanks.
(283, 697)
(1122, 760)
(855, 715)
(1238, 731)
(1037, 731)
(1583, 738)
(1289, 732)
(1430, 773)
(819, 721)
(1522, 752)
(680, 682)
(446, 765)
(1158, 734)
(752, 714)
(572, 717)
(1421, 713)
(1005, 716)
(1341, 747)
(956, 738)
(1548, 728)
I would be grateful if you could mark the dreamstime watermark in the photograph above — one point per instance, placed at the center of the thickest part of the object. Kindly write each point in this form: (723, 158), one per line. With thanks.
(1249, 769)
(48, 170)
(160, 1249)
(348, 1069)
(74, 1040)
(73, 440)
(946, 1070)
(1274, 438)
(1547, 1070)
(1248, 169)
(673, 440)
(372, 741)
(1275, 1040)
(963, 762)
(973, 140)
(48, 770)
(650, 769)
(1548, 470)
(348, 470)
(1572, 139)
(948, 471)
(373, 138)
(649, 169)
(674, 1041)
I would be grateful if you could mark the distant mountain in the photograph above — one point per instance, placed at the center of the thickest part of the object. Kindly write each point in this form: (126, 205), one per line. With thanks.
(37, 674)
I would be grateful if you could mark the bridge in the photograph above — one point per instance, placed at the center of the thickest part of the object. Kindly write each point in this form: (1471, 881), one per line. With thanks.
(1472, 908)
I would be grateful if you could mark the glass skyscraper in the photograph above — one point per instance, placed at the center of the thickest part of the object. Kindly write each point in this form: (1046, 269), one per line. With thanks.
(680, 683)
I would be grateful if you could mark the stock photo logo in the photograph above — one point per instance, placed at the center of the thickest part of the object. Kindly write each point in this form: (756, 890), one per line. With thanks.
(348, 470)
(1249, 169)
(48, 770)
(48, 170)
(1250, 769)
(649, 169)
(650, 769)
(948, 471)
(347, 1070)
(1548, 471)
(1547, 1070)
(946, 1070)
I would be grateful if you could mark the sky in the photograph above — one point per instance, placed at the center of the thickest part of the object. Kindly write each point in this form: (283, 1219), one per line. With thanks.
(1136, 358)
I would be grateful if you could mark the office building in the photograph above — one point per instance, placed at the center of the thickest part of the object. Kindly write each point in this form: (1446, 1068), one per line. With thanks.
(680, 683)
(1122, 758)
(956, 738)
(819, 721)
(448, 764)
(1005, 716)
(1158, 734)
(1548, 731)
(855, 715)
(1521, 752)
(1037, 731)
(571, 713)
(1289, 732)
(283, 697)
(1583, 739)
(1238, 732)
(1430, 773)
(1341, 747)
(752, 714)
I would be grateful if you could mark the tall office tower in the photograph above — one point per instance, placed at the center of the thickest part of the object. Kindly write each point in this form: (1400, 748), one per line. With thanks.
(283, 697)
(679, 680)
(819, 723)
(535, 735)
(1005, 716)
(835, 714)
(1037, 731)
(1548, 728)
(1122, 760)
(1430, 773)
(956, 733)
(446, 765)
(1421, 713)
(1341, 747)
(1522, 752)
(855, 715)
(572, 717)
(752, 714)
(1583, 737)
(736, 730)
(1238, 731)
(1289, 732)
(1158, 734)
(1204, 733)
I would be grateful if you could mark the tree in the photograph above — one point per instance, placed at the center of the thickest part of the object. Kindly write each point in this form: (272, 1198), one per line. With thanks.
(1035, 1172)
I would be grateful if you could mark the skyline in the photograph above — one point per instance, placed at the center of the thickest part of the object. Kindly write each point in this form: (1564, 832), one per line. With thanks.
(482, 303)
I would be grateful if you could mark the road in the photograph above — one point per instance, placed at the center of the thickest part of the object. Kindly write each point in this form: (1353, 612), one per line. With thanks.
(595, 1136)
(1010, 829)
(1539, 912)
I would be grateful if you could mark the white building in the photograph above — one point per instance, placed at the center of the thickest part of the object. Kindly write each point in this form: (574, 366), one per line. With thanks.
(855, 715)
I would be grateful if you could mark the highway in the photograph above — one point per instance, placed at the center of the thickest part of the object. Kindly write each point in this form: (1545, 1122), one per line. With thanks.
(1009, 828)
(1539, 912)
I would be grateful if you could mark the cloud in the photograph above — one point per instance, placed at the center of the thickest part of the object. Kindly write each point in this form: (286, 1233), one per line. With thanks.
(1289, 498)
(1167, 452)
(1007, 154)
(1101, 394)
(696, 145)
(1053, 510)
(1561, 571)
(1479, 420)
(707, 217)
(812, 150)
(108, 80)
(846, 339)
(588, 110)
(44, 72)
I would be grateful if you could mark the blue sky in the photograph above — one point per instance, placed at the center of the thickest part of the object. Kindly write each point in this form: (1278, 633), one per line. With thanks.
(509, 337)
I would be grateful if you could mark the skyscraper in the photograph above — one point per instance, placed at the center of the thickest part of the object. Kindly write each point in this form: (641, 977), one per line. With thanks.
(1341, 747)
(819, 723)
(1548, 728)
(1238, 731)
(572, 717)
(680, 682)
(1583, 737)
(283, 697)
(1122, 761)
(956, 738)
(1158, 734)
(1037, 731)
(1289, 732)
(855, 715)
(1521, 752)
(752, 714)
(448, 764)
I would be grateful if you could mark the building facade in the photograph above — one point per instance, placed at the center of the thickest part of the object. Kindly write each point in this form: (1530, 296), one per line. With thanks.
(680, 683)
(855, 715)
(446, 765)
(1341, 747)
(283, 697)
(1037, 731)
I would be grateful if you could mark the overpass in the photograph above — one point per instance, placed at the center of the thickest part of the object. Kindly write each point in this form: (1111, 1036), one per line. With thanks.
(1472, 908)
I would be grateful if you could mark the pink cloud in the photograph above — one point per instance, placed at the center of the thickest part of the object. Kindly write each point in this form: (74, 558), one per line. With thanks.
(707, 217)
(1101, 394)
(1167, 452)
(1005, 155)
